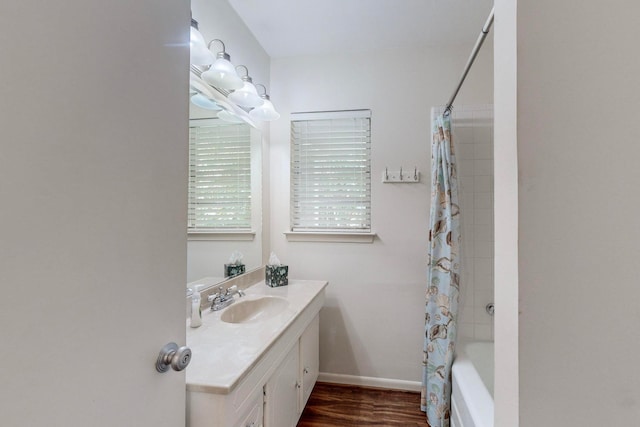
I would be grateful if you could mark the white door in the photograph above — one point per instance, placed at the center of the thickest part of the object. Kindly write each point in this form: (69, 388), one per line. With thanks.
(93, 158)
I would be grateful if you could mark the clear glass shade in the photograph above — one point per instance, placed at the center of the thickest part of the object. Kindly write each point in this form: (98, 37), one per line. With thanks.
(247, 96)
(199, 53)
(265, 112)
(222, 74)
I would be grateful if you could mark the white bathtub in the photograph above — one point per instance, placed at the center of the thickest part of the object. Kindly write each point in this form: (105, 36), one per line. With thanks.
(472, 392)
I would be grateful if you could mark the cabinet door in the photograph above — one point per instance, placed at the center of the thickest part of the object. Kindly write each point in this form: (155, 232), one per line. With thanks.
(309, 359)
(281, 393)
(254, 417)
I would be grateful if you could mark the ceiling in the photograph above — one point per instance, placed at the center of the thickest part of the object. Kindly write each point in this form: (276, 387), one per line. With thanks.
(307, 27)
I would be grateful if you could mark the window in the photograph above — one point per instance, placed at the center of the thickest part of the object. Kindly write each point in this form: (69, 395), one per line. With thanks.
(331, 172)
(219, 176)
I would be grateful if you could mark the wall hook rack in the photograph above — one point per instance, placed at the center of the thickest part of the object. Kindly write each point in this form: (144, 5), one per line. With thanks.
(401, 176)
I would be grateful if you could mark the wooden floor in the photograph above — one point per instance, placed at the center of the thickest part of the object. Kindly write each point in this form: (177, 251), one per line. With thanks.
(340, 405)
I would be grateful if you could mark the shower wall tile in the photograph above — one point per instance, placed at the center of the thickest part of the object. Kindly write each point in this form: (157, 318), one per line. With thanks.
(467, 184)
(463, 137)
(468, 229)
(480, 315)
(483, 167)
(468, 250)
(483, 249)
(484, 284)
(483, 217)
(483, 234)
(482, 184)
(466, 329)
(465, 168)
(467, 201)
(483, 332)
(483, 131)
(473, 139)
(482, 151)
(482, 200)
(483, 267)
(465, 152)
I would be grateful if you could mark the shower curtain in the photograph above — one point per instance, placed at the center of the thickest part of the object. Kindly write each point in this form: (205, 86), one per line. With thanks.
(443, 278)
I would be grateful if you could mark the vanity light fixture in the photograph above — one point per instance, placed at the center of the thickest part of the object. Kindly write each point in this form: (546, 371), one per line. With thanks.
(199, 54)
(247, 96)
(265, 112)
(216, 84)
(222, 73)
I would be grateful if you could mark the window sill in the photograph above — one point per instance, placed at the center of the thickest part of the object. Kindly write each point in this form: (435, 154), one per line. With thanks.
(221, 235)
(326, 236)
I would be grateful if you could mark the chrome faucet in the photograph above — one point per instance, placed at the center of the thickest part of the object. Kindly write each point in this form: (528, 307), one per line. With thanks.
(224, 297)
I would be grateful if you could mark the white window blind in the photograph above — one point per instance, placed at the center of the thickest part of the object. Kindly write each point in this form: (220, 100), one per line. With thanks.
(219, 176)
(331, 171)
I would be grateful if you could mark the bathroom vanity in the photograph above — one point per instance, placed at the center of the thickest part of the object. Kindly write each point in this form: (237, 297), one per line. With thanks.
(255, 362)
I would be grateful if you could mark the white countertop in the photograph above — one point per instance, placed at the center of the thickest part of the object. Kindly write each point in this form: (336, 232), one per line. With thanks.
(223, 353)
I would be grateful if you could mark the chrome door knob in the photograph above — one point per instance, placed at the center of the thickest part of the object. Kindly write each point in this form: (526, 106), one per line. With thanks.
(174, 357)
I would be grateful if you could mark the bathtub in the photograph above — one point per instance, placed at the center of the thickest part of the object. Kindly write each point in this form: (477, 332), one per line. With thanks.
(472, 391)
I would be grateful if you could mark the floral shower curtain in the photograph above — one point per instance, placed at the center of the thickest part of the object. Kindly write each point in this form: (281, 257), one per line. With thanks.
(443, 278)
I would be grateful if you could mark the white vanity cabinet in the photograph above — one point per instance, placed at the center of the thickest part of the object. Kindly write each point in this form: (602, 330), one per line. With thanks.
(281, 393)
(309, 360)
(289, 387)
(273, 388)
(254, 417)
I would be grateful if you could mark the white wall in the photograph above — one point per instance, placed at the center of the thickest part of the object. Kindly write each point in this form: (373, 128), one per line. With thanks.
(218, 20)
(372, 323)
(578, 151)
(506, 399)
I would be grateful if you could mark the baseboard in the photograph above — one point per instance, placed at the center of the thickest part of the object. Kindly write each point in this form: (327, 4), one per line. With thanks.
(356, 380)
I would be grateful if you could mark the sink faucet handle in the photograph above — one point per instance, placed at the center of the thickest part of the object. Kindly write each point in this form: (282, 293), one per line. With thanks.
(216, 295)
(233, 290)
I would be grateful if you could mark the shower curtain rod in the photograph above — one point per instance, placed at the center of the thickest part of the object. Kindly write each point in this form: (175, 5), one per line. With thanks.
(472, 57)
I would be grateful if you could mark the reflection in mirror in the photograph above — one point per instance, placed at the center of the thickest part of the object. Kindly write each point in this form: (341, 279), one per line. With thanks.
(225, 195)
(209, 251)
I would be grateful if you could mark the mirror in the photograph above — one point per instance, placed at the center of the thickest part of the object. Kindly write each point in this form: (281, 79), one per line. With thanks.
(218, 21)
(209, 250)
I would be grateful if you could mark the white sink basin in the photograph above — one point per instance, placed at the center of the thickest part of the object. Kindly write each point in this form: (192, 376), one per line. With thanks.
(254, 310)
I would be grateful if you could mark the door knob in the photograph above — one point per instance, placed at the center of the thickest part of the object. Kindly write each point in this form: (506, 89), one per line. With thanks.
(172, 356)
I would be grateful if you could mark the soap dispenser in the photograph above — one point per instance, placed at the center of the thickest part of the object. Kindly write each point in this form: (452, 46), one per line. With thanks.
(196, 312)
